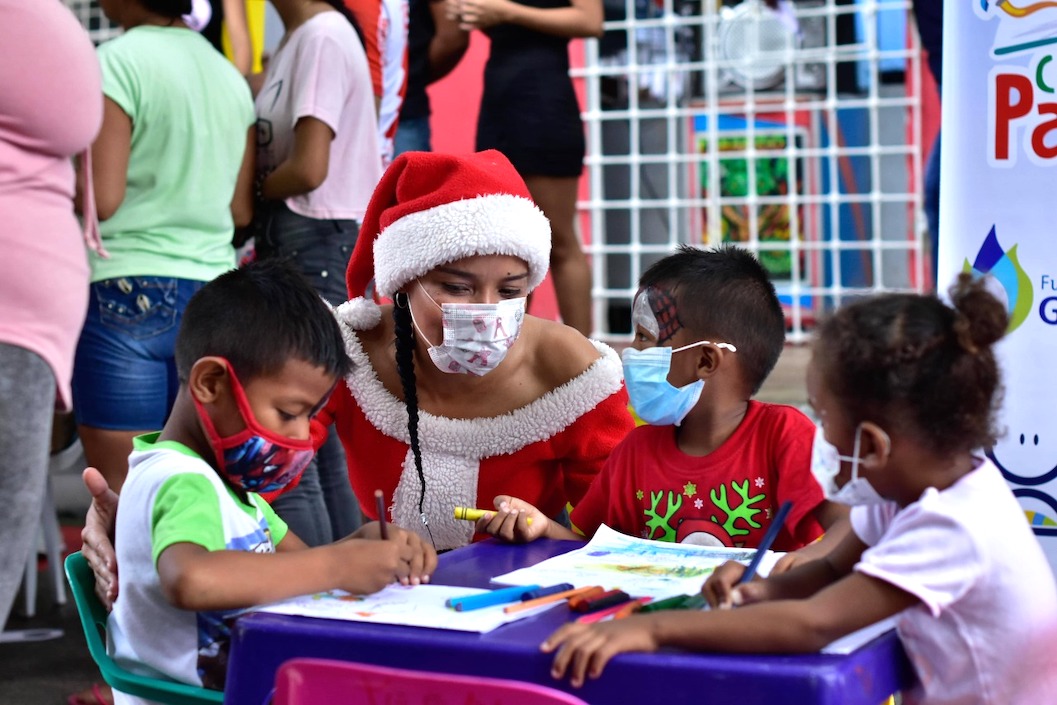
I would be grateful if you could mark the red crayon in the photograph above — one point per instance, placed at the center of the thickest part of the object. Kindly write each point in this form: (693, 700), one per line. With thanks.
(618, 611)
(606, 599)
(576, 602)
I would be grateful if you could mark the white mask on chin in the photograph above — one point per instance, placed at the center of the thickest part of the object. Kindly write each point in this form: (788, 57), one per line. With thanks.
(825, 466)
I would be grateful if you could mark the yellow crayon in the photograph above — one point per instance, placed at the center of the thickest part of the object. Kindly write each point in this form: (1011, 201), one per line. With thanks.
(470, 514)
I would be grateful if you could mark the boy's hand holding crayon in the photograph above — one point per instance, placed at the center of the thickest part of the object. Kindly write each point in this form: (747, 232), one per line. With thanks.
(372, 563)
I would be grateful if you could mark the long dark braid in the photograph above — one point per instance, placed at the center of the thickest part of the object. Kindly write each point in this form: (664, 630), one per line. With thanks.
(405, 367)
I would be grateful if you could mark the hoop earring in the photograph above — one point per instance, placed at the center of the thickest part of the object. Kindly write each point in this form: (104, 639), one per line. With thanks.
(406, 303)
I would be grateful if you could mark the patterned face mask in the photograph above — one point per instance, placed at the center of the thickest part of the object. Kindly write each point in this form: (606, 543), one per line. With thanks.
(254, 459)
(476, 336)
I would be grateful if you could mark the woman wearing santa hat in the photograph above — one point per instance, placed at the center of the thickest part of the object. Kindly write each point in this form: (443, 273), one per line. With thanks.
(457, 395)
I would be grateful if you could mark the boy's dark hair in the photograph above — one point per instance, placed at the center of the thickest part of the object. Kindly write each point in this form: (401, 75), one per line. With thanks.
(726, 296)
(917, 366)
(259, 317)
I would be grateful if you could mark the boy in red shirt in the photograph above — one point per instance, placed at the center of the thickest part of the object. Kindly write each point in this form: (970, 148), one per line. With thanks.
(713, 465)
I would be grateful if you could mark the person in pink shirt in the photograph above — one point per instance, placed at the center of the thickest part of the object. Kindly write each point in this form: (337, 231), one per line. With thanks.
(318, 161)
(51, 108)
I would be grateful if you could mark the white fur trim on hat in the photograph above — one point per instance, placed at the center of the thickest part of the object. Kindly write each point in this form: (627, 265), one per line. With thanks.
(495, 224)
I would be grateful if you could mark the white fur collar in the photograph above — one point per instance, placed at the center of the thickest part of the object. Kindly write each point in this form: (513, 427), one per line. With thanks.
(453, 448)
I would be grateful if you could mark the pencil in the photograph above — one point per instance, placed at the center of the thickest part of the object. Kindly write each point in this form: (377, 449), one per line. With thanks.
(547, 599)
(768, 539)
(379, 503)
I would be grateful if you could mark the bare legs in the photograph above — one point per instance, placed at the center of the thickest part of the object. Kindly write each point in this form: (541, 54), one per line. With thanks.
(556, 197)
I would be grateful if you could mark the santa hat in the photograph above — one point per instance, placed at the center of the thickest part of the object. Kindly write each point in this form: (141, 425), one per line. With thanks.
(430, 209)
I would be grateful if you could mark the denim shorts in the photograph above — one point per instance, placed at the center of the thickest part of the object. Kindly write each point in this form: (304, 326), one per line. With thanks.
(124, 376)
(318, 248)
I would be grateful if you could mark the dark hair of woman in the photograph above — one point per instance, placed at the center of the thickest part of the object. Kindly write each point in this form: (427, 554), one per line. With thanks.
(405, 367)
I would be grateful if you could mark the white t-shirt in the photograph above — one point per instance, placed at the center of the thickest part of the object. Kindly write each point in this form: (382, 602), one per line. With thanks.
(986, 628)
(320, 71)
(173, 496)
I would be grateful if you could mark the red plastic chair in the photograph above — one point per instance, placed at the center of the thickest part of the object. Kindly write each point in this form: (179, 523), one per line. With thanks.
(310, 681)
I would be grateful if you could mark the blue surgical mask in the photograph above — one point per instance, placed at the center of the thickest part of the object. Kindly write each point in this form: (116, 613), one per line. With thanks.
(825, 465)
(654, 399)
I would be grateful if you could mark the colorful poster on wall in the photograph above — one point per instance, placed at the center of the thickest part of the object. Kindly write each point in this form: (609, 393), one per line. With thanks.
(997, 215)
(762, 160)
(776, 175)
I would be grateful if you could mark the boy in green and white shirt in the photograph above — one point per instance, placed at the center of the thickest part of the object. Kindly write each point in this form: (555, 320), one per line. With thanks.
(195, 543)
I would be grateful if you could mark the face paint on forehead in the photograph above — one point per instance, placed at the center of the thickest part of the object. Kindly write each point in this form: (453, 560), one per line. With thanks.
(642, 315)
(662, 304)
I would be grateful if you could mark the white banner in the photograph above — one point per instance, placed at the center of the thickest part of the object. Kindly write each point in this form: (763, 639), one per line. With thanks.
(998, 215)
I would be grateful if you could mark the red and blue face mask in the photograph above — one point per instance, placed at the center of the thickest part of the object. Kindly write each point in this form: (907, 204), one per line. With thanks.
(255, 459)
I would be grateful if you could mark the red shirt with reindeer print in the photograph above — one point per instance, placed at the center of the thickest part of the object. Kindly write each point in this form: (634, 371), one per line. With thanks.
(650, 488)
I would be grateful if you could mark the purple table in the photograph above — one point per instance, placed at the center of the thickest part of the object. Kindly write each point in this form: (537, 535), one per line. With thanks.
(261, 642)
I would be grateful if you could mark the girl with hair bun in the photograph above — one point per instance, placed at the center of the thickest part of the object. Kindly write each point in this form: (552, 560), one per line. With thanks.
(906, 388)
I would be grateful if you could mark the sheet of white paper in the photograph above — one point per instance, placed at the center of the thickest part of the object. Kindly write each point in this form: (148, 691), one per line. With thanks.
(639, 567)
(417, 606)
(850, 642)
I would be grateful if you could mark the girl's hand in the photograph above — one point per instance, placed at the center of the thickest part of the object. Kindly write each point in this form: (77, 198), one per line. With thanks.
(514, 521)
(585, 649)
(789, 561)
(481, 14)
(723, 591)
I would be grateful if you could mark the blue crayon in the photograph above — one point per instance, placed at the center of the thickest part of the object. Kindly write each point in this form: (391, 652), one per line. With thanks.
(488, 599)
(544, 591)
(768, 538)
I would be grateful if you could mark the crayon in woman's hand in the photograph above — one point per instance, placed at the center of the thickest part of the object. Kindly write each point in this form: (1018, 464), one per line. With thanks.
(471, 514)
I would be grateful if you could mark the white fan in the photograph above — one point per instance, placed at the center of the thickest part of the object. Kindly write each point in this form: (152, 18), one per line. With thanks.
(755, 45)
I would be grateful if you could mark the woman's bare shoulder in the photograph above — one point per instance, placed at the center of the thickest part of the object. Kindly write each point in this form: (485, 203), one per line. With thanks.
(559, 353)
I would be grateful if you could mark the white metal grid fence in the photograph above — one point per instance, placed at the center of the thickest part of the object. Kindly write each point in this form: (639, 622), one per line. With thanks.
(789, 133)
(92, 19)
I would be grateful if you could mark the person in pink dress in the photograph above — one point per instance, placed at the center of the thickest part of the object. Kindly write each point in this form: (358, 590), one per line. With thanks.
(51, 107)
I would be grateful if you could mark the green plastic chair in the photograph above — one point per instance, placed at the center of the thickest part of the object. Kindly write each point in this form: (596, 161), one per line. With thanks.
(93, 620)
